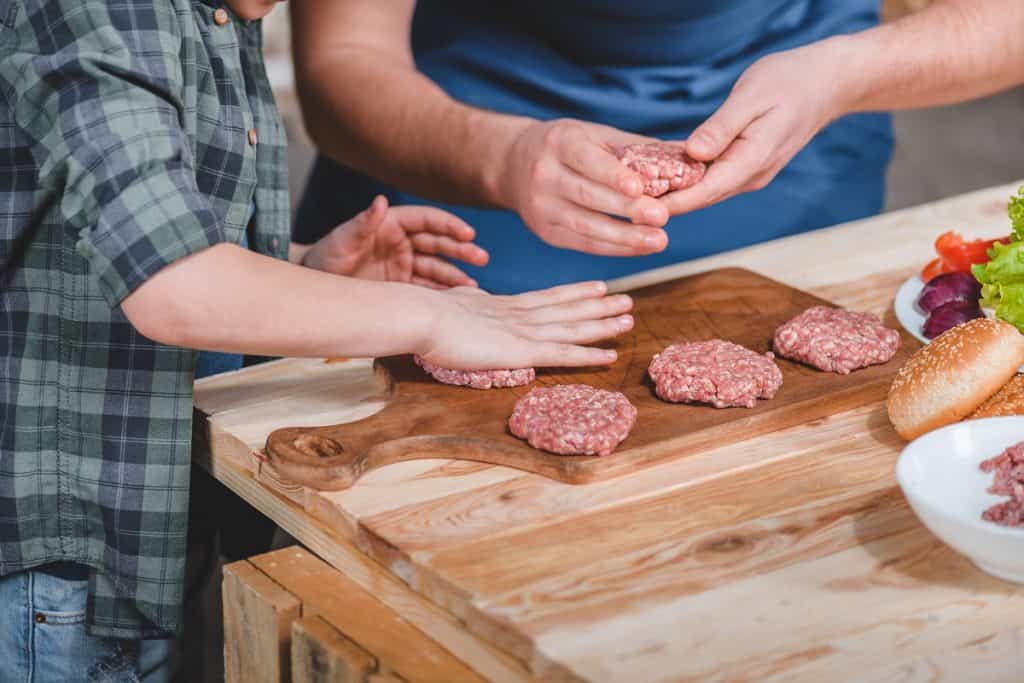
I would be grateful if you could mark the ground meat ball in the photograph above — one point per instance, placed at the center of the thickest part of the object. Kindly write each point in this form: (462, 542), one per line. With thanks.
(1008, 467)
(717, 372)
(573, 419)
(835, 340)
(478, 379)
(664, 167)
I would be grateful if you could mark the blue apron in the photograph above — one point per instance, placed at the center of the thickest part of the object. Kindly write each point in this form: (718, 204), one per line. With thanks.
(660, 68)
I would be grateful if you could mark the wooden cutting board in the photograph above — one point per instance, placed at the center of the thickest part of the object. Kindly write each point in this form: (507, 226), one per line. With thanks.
(425, 419)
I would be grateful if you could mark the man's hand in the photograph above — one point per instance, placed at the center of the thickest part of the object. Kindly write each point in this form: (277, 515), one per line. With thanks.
(399, 244)
(775, 108)
(566, 183)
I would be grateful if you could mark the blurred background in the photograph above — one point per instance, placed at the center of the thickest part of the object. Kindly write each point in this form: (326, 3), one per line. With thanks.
(938, 153)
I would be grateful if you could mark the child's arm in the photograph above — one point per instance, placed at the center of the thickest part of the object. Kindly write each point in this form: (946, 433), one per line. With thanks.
(229, 299)
(103, 112)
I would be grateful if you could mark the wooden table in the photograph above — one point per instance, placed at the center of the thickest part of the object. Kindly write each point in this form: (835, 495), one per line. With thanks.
(803, 562)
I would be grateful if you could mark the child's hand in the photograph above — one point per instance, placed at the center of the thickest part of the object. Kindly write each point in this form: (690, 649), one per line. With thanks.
(477, 331)
(399, 244)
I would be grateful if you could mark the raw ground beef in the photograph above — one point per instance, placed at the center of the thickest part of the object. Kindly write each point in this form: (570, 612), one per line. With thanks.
(573, 419)
(717, 372)
(663, 166)
(478, 379)
(1008, 467)
(836, 340)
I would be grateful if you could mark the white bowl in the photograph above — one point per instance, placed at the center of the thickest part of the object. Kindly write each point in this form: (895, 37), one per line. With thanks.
(940, 477)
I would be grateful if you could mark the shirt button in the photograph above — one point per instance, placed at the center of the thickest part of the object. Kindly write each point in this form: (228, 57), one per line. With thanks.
(252, 137)
(220, 16)
(274, 242)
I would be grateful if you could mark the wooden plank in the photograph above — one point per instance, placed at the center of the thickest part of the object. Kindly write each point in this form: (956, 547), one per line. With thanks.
(439, 625)
(966, 640)
(775, 615)
(995, 657)
(727, 530)
(323, 654)
(394, 642)
(523, 503)
(257, 626)
(707, 561)
(424, 418)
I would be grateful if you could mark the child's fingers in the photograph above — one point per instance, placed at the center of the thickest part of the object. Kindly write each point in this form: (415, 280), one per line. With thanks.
(445, 274)
(569, 355)
(428, 219)
(584, 331)
(558, 295)
(375, 213)
(367, 220)
(440, 245)
(585, 309)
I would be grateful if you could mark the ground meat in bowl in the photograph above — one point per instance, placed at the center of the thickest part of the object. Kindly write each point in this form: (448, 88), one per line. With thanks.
(717, 372)
(573, 419)
(1008, 468)
(478, 379)
(836, 340)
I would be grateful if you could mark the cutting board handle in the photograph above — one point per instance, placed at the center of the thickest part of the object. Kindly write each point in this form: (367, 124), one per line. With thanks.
(314, 460)
(328, 462)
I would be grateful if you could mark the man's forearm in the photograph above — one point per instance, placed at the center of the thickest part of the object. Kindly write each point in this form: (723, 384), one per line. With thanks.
(229, 299)
(391, 122)
(954, 50)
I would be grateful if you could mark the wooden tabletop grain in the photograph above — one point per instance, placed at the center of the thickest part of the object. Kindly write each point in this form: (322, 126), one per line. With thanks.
(788, 557)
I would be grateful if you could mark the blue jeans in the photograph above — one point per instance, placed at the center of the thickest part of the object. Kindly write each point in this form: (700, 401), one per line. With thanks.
(43, 636)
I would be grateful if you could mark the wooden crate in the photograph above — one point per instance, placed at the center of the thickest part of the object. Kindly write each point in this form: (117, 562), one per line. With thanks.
(289, 616)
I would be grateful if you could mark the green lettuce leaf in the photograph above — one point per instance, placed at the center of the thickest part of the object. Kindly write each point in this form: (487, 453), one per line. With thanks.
(1002, 280)
(1016, 211)
(1005, 265)
(1010, 305)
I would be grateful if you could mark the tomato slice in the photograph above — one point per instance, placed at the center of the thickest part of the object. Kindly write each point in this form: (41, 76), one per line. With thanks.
(956, 255)
(934, 267)
(954, 252)
(948, 243)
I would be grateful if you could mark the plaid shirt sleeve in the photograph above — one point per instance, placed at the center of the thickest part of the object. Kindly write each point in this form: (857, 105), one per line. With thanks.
(104, 113)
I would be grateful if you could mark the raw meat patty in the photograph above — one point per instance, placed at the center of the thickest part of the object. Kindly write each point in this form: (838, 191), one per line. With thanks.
(478, 379)
(573, 419)
(717, 372)
(1008, 467)
(836, 340)
(663, 167)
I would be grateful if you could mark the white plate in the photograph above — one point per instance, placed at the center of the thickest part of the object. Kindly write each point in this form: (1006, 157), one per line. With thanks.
(910, 316)
(939, 475)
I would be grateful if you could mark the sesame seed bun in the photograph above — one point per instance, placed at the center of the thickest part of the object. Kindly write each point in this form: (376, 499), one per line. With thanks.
(1008, 401)
(950, 378)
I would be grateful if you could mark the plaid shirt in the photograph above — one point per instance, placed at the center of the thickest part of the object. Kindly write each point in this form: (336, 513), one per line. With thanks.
(132, 133)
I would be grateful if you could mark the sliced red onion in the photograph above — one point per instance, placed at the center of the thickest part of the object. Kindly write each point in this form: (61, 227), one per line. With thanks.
(949, 315)
(948, 287)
